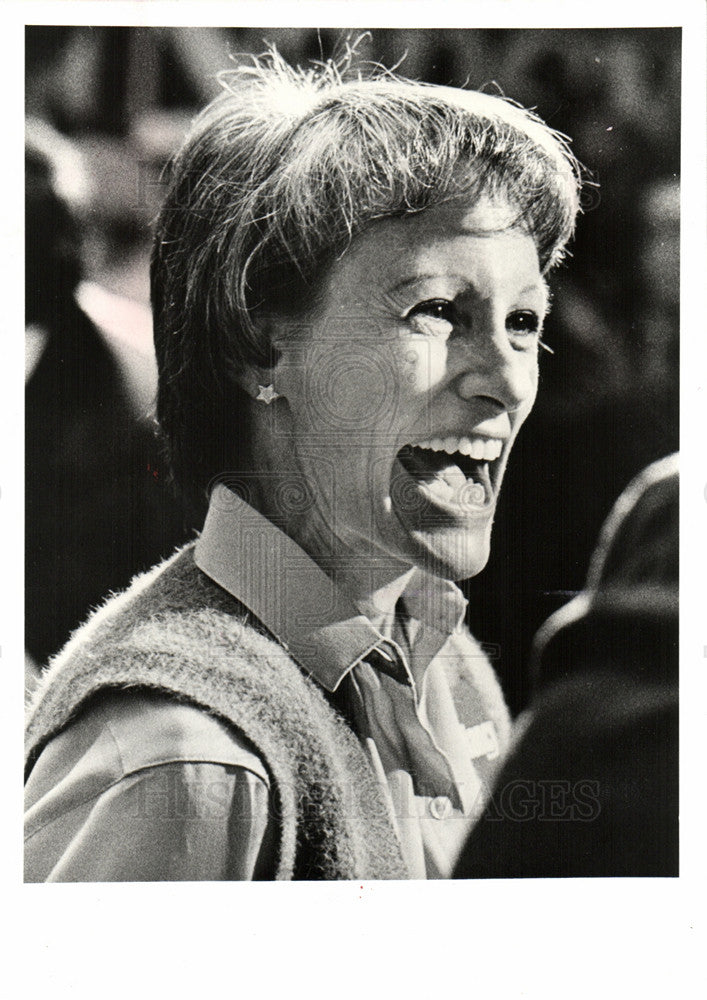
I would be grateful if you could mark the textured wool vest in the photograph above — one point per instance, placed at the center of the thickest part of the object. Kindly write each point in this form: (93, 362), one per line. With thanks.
(176, 631)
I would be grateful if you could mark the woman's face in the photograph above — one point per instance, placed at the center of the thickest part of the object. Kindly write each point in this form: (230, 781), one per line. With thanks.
(406, 386)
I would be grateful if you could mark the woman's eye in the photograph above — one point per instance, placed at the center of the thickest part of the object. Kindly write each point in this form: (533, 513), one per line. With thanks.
(523, 322)
(437, 317)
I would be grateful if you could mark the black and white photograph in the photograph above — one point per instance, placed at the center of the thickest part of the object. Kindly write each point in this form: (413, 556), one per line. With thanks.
(352, 451)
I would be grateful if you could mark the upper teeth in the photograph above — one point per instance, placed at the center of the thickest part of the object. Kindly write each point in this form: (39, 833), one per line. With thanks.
(478, 448)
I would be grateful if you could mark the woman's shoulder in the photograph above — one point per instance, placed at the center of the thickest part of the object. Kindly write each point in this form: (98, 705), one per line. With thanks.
(144, 774)
(172, 611)
(174, 631)
(172, 604)
(149, 728)
(173, 588)
(120, 732)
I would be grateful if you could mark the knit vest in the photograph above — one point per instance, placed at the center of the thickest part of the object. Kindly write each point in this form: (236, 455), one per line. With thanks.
(177, 631)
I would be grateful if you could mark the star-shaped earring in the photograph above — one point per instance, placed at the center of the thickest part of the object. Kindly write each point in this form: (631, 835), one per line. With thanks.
(267, 394)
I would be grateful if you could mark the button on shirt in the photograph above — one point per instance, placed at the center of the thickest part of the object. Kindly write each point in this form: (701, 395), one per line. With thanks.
(93, 784)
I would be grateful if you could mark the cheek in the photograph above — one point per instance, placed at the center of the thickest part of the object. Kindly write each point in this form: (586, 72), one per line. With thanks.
(338, 388)
(423, 365)
(529, 396)
(347, 395)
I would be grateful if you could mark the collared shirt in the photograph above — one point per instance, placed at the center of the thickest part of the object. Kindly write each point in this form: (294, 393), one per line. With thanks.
(92, 785)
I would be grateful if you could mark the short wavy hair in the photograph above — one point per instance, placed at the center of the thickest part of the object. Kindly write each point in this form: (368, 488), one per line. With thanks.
(279, 174)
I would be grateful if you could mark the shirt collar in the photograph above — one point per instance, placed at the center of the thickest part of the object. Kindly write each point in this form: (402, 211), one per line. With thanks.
(315, 621)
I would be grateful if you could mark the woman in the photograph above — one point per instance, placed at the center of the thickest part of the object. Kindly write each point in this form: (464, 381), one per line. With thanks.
(348, 293)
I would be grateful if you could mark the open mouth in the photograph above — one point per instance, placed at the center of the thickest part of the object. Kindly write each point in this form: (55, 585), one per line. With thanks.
(454, 472)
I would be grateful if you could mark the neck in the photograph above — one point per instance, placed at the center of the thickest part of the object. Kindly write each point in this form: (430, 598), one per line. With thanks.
(371, 578)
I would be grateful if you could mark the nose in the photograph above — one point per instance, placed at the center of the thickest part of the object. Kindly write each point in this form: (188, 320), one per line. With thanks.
(493, 368)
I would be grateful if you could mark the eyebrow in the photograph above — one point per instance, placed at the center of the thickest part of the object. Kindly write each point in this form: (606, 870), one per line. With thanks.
(414, 281)
(539, 286)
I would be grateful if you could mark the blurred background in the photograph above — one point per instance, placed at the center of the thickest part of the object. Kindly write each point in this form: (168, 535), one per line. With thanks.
(107, 106)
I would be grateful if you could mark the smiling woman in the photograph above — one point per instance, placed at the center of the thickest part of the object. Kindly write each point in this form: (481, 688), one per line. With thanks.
(448, 305)
(348, 293)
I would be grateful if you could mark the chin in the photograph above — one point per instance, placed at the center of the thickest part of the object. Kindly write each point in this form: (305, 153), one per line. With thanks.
(452, 554)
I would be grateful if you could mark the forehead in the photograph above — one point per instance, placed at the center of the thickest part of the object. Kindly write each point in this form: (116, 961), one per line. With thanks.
(471, 241)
